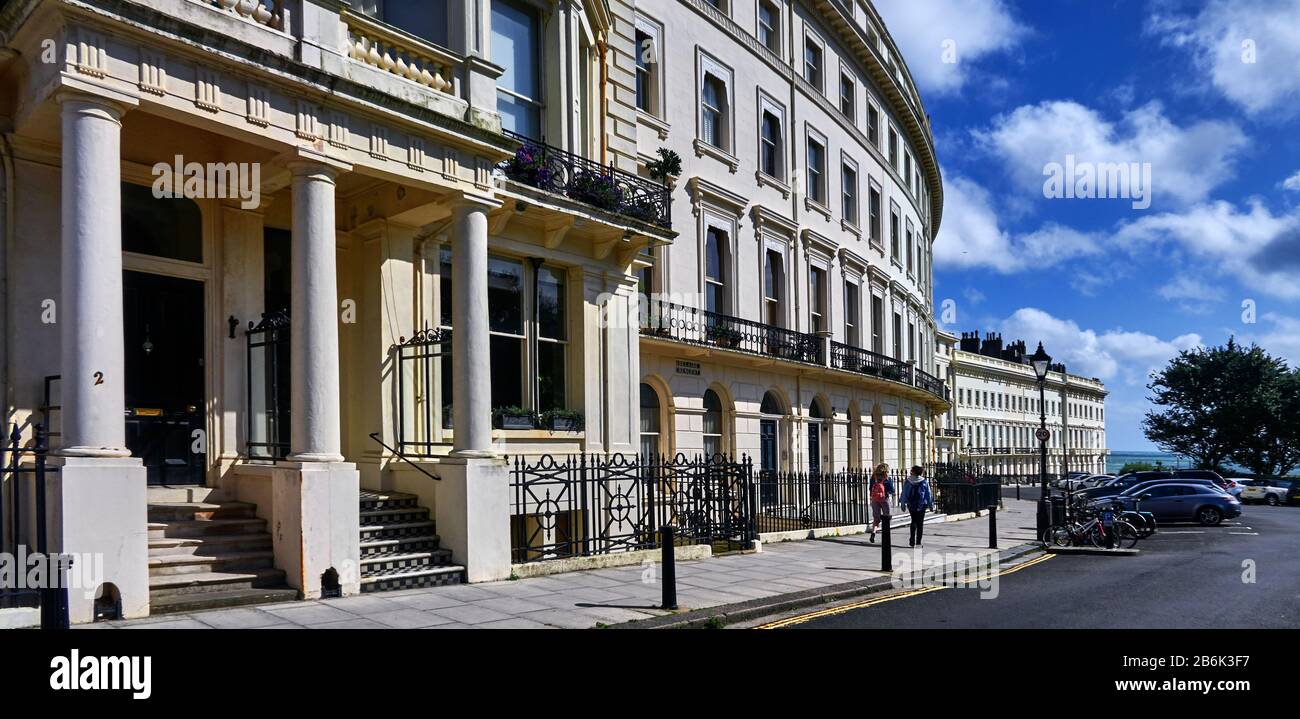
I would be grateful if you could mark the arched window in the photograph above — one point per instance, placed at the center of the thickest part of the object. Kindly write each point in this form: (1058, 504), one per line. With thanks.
(771, 404)
(650, 413)
(712, 424)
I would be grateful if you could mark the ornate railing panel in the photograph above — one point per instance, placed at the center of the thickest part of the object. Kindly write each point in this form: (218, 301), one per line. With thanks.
(856, 359)
(608, 188)
(687, 324)
(584, 505)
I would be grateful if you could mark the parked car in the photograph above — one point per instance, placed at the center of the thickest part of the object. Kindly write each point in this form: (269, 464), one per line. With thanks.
(1202, 474)
(1184, 501)
(1236, 485)
(1070, 481)
(1097, 480)
(1271, 491)
(1123, 482)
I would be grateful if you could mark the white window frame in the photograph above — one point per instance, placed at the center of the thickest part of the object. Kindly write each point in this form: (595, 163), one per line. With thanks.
(811, 38)
(847, 163)
(778, 18)
(767, 104)
(707, 65)
(811, 135)
(659, 103)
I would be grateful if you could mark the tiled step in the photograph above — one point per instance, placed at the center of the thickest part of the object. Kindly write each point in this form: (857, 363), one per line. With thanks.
(401, 545)
(166, 546)
(173, 584)
(435, 577)
(397, 530)
(372, 500)
(175, 603)
(191, 511)
(400, 563)
(396, 515)
(172, 564)
(206, 528)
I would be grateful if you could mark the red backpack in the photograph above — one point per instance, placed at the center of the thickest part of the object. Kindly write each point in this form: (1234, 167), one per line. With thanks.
(878, 491)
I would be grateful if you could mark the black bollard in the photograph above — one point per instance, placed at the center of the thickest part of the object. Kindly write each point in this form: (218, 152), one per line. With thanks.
(993, 526)
(886, 557)
(670, 567)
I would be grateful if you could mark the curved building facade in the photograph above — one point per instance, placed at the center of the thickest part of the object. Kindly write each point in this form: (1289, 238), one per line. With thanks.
(791, 319)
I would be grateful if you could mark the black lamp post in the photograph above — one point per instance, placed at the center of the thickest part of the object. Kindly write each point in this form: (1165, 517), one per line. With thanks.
(1041, 362)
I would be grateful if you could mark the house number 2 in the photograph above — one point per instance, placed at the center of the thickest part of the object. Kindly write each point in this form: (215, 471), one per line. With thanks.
(99, 378)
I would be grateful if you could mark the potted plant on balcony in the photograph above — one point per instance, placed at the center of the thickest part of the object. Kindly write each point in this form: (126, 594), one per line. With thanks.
(893, 372)
(724, 336)
(513, 417)
(871, 369)
(530, 166)
(666, 168)
(596, 187)
(562, 420)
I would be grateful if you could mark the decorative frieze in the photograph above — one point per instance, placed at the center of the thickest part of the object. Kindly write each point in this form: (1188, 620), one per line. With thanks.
(415, 153)
(207, 89)
(259, 103)
(91, 55)
(153, 72)
(307, 123)
(378, 141)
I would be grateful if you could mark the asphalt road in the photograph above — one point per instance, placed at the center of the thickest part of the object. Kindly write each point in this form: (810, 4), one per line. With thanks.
(1186, 576)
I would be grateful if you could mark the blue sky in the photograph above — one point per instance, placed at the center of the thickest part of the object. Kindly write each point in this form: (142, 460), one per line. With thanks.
(1207, 94)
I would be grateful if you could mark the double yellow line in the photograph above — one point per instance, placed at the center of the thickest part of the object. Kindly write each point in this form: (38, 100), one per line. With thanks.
(832, 611)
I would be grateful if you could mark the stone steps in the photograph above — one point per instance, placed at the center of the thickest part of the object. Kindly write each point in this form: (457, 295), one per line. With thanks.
(399, 545)
(205, 554)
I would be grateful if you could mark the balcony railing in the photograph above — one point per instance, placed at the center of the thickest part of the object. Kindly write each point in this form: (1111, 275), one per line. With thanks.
(564, 173)
(687, 324)
(945, 432)
(1001, 450)
(388, 48)
(931, 384)
(856, 359)
(263, 12)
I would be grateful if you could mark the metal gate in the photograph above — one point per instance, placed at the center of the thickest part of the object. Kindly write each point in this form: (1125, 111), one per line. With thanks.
(269, 378)
(23, 526)
(962, 487)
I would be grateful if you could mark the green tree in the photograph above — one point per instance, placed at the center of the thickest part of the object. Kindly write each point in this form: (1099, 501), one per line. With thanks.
(1269, 446)
(1213, 400)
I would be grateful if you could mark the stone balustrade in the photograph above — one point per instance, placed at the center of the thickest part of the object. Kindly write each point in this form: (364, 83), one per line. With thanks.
(387, 48)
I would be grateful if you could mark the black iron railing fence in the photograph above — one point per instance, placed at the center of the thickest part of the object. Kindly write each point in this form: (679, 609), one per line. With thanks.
(931, 384)
(269, 377)
(22, 509)
(856, 359)
(687, 324)
(554, 170)
(584, 505)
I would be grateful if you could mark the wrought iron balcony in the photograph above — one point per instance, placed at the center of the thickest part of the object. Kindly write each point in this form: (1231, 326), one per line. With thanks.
(608, 188)
(1001, 450)
(701, 327)
(687, 324)
(945, 432)
(856, 359)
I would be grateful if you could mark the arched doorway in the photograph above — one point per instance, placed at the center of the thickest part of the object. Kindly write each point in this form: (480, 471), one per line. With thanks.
(819, 446)
(771, 413)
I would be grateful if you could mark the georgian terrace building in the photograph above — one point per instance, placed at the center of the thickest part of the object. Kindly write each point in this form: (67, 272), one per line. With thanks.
(791, 320)
(362, 251)
(995, 410)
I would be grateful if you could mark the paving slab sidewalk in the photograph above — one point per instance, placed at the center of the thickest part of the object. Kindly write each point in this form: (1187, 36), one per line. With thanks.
(613, 596)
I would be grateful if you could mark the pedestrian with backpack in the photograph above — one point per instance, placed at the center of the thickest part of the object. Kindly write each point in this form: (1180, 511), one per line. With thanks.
(881, 490)
(917, 499)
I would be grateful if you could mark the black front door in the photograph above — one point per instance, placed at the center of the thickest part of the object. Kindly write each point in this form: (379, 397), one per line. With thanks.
(767, 481)
(163, 332)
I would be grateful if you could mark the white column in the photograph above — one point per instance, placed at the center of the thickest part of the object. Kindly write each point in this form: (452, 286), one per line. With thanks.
(314, 330)
(93, 383)
(470, 348)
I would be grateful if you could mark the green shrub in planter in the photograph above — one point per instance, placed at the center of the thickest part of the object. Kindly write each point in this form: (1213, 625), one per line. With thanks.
(513, 418)
(563, 420)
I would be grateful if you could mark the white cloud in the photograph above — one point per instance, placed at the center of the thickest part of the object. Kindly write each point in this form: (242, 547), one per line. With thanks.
(1107, 355)
(971, 236)
(1292, 183)
(1260, 249)
(1281, 338)
(1249, 49)
(1187, 287)
(972, 29)
(1186, 162)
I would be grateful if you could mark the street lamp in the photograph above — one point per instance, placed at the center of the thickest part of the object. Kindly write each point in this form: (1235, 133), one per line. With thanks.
(1042, 362)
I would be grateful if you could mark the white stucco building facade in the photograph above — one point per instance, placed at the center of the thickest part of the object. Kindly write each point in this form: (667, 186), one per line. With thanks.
(996, 410)
(793, 320)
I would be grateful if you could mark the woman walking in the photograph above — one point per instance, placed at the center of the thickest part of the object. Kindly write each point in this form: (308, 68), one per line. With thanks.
(917, 499)
(880, 491)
